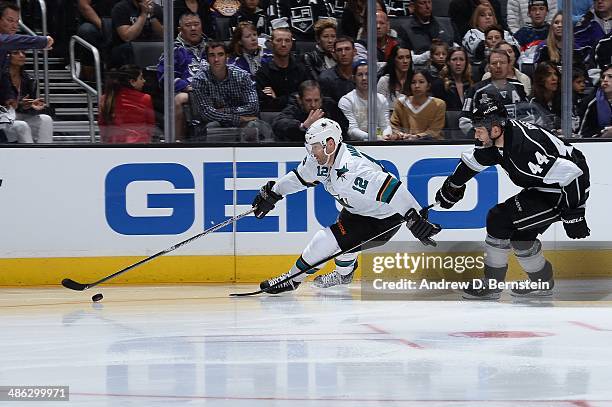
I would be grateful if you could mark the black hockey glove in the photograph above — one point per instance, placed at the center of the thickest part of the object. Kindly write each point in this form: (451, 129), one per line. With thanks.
(421, 228)
(575, 223)
(265, 200)
(449, 194)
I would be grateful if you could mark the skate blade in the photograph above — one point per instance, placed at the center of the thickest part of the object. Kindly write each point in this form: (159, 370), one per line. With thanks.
(534, 294)
(490, 297)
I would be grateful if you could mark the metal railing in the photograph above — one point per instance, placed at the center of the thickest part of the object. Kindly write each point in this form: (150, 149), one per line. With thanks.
(91, 92)
(43, 13)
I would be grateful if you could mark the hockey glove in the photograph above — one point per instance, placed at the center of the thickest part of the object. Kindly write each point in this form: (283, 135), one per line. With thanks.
(421, 228)
(575, 224)
(265, 200)
(449, 194)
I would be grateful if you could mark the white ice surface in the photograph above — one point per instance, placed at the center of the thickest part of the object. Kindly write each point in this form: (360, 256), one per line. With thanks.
(188, 346)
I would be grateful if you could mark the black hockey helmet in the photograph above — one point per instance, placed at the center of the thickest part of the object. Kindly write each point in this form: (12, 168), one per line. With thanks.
(489, 111)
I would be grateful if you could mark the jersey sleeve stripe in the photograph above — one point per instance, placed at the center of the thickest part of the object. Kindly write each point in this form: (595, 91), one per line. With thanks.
(302, 181)
(388, 189)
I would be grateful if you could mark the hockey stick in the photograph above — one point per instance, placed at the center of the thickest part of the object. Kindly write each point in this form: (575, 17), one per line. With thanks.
(427, 241)
(73, 285)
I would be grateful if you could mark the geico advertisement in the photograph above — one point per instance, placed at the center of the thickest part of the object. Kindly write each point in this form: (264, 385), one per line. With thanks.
(99, 202)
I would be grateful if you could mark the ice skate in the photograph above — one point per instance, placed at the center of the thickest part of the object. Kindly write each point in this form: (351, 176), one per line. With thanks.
(334, 278)
(481, 291)
(527, 289)
(288, 285)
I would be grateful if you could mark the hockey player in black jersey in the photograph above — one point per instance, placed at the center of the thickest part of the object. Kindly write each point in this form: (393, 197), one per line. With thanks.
(555, 180)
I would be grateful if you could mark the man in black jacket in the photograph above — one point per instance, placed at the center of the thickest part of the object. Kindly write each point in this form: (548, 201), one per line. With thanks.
(421, 28)
(338, 81)
(308, 107)
(279, 78)
(555, 179)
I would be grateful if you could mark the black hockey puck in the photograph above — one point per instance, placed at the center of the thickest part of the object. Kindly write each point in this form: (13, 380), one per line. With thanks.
(97, 297)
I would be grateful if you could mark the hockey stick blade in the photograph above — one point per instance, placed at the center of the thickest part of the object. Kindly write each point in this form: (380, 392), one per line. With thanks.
(76, 286)
(428, 241)
(73, 285)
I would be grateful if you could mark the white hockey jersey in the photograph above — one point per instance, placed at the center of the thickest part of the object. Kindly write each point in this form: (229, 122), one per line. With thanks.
(357, 181)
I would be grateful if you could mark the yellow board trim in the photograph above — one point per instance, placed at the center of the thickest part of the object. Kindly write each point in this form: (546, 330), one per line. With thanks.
(574, 264)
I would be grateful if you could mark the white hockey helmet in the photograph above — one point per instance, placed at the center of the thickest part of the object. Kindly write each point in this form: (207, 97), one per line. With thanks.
(322, 130)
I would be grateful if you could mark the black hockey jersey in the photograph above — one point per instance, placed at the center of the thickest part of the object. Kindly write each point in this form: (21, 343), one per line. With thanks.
(533, 158)
(301, 15)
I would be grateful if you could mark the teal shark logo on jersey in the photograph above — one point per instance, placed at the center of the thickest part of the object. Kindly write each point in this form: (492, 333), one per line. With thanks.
(342, 201)
(341, 171)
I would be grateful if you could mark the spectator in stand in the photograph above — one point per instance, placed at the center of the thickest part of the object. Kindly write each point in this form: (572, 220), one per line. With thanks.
(96, 27)
(483, 18)
(420, 29)
(513, 72)
(386, 39)
(461, 13)
(301, 15)
(508, 91)
(134, 20)
(546, 102)
(225, 95)
(308, 107)
(597, 119)
(396, 75)
(338, 81)
(279, 78)
(550, 50)
(579, 8)
(531, 34)
(603, 51)
(354, 105)
(438, 52)
(188, 55)
(353, 17)
(126, 113)
(322, 57)
(520, 14)
(10, 41)
(245, 50)
(579, 78)
(595, 25)
(199, 7)
(250, 11)
(455, 79)
(493, 36)
(418, 116)
(31, 124)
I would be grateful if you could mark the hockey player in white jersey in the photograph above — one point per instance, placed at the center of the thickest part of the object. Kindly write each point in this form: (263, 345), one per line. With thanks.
(373, 201)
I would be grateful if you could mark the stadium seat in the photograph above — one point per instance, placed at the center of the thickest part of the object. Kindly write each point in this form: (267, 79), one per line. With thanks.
(303, 47)
(223, 28)
(528, 69)
(451, 128)
(439, 8)
(146, 54)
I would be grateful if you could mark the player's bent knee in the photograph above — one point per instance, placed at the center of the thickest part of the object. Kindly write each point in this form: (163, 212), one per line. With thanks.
(323, 244)
(499, 223)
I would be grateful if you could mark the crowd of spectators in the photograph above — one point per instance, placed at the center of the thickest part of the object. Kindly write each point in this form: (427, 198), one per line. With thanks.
(290, 62)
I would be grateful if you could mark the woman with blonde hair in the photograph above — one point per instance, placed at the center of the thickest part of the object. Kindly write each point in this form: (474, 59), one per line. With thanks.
(482, 18)
(246, 53)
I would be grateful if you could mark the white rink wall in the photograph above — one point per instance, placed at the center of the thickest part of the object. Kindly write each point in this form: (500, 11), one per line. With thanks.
(92, 202)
